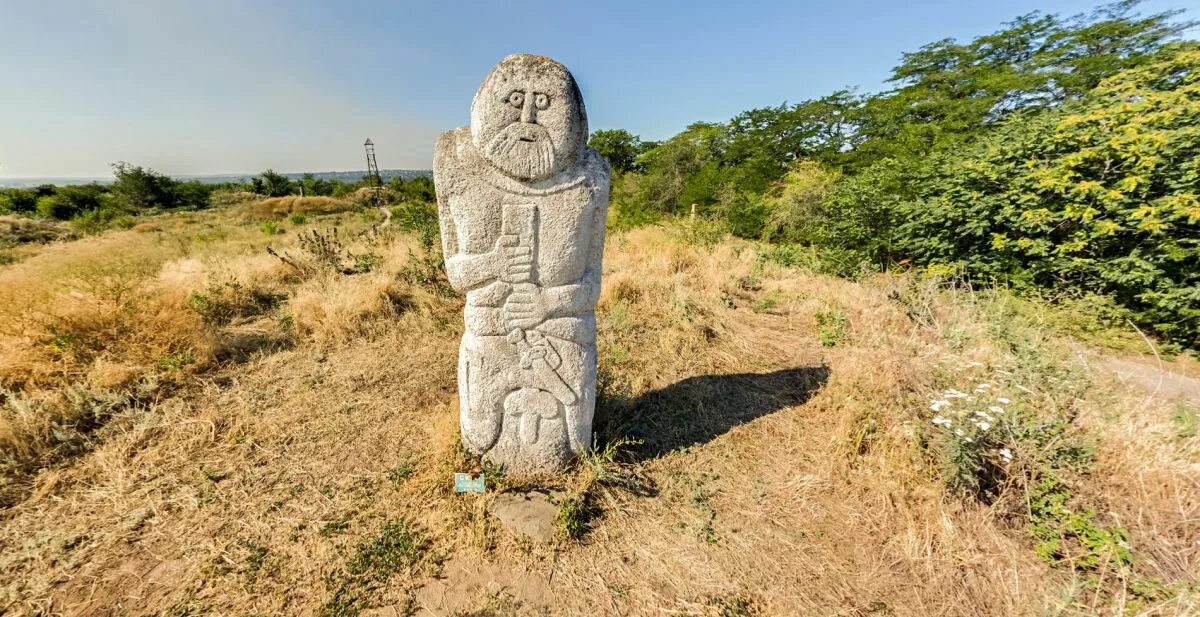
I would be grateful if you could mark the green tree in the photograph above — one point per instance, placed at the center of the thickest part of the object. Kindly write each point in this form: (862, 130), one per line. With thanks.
(774, 137)
(137, 189)
(1098, 196)
(798, 206)
(419, 188)
(51, 208)
(191, 195)
(275, 184)
(949, 92)
(619, 147)
(682, 171)
(20, 201)
(81, 198)
(313, 186)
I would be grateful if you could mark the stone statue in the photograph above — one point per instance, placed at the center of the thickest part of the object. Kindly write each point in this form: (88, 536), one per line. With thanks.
(522, 203)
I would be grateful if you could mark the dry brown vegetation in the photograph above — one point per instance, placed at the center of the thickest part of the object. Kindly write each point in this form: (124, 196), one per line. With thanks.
(293, 204)
(191, 425)
(19, 236)
(19, 230)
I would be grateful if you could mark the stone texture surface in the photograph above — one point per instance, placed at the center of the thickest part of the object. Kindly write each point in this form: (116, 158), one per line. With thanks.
(530, 513)
(522, 203)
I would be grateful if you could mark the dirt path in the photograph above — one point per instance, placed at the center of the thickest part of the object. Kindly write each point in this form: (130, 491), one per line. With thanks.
(1161, 382)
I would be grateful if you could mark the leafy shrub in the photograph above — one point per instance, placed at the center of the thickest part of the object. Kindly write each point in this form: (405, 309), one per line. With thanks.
(74, 200)
(138, 189)
(428, 270)
(571, 519)
(190, 195)
(1099, 196)
(1006, 436)
(21, 201)
(327, 252)
(832, 327)
(222, 302)
(51, 207)
(798, 201)
(745, 213)
(273, 184)
(96, 221)
(819, 259)
(420, 217)
(700, 231)
(619, 147)
(419, 189)
(987, 442)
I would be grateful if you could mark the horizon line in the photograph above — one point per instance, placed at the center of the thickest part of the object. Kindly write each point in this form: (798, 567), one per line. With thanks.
(215, 175)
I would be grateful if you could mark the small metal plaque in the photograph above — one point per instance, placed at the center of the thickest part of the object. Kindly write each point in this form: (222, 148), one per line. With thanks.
(468, 483)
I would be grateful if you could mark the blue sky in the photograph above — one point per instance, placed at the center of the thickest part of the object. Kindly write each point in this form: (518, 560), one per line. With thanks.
(239, 86)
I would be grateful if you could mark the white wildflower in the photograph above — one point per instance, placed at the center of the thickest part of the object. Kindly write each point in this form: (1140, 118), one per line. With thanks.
(983, 426)
(958, 431)
(968, 440)
(952, 393)
(1002, 400)
(984, 415)
(995, 409)
(983, 387)
(939, 404)
(1006, 454)
(941, 421)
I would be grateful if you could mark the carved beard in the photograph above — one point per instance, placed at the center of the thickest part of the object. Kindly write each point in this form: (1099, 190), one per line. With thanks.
(522, 150)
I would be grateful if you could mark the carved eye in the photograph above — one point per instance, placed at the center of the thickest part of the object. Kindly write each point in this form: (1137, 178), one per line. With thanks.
(541, 100)
(517, 99)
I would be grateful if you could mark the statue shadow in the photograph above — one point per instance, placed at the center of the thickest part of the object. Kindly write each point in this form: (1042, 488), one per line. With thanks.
(699, 409)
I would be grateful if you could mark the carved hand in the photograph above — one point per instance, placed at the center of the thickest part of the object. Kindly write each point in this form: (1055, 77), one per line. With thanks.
(518, 260)
(525, 307)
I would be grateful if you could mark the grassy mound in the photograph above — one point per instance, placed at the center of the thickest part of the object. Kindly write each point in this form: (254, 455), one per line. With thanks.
(292, 204)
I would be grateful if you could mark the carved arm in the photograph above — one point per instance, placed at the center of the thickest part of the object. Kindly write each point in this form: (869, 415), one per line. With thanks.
(581, 297)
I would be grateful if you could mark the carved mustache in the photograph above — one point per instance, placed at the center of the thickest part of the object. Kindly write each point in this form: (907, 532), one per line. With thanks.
(523, 150)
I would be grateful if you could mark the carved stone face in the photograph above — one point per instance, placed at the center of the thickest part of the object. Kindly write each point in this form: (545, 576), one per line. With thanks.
(528, 118)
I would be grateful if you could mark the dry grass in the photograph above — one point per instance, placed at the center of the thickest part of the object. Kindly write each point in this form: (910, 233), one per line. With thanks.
(282, 206)
(128, 317)
(21, 237)
(224, 198)
(776, 476)
(21, 230)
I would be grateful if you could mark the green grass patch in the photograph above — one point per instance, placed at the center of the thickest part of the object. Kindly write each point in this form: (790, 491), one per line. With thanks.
(833, 327)
(360, 585)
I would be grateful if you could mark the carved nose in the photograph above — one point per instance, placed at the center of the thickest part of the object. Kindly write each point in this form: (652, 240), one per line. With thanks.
(529, 110)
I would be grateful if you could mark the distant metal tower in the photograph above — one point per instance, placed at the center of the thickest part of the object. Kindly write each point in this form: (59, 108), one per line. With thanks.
(373, 178)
